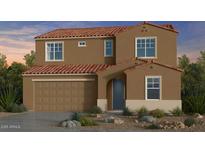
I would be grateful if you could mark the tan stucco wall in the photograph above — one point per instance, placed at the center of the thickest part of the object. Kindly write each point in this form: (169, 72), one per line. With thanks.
(28, 85)
(170, 80)
(166, 105)
(93, 53)
(166, 44)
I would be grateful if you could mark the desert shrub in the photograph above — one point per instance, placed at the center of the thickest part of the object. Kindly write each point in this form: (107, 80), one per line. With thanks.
(194, 104)
(189, 122)
(126, 112)
(8, 97)
(76, 116)
(153, 126)
(177, 111)
(143, 112)
(87, 122)
(95, 110)
(157, 113)
(15, 108)
(1, 109)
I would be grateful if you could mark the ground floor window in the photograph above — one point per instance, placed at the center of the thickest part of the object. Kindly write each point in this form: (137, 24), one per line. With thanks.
(153, 87)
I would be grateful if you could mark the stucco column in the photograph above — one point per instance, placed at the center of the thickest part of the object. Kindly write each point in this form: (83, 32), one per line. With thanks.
(102, 100)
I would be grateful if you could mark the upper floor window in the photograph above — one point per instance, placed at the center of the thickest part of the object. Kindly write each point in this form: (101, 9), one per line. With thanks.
(153, 87)
(54, 51)
(108, 48)
(81, 43)
(146, 47)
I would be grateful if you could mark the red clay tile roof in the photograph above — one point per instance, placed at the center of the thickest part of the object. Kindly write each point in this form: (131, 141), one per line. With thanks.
(83, 32)
(95, 32)
(67, 69)
(160, 64)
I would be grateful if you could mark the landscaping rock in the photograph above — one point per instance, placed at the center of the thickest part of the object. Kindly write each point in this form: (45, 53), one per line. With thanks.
(77, 123)
(70, 124)
(93, 115)
(198, 116)
(110, 119)
(63, 124)
(118, 121)
(171, 125)
(136, 121)
(99, 115)
(150, 119)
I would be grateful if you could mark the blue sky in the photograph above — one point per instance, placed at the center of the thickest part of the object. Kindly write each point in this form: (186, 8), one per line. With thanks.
(16, 38)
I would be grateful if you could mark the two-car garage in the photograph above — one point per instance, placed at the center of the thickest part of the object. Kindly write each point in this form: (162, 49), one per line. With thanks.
(61, 88)
(62, 95)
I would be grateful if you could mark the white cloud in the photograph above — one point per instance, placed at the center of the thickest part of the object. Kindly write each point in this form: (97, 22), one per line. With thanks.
(13, 42)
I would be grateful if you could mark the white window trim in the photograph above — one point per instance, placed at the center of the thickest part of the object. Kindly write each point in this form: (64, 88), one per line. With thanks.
(105, 48)
(150, 37)
(46, 58)
(160, 90)
(79, 45)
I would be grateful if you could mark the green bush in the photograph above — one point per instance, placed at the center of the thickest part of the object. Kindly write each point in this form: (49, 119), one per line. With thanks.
(153, 126)
(189, 122)
(1, 109)
(76, 116)
(177, 111)
(87, 122)
(194, 104)
(143, 112)
(157, 113)
(95, 110)
(126, 112)
(15, 108)
(8, 98)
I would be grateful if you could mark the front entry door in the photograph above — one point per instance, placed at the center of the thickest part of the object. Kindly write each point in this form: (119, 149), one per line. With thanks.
(118, 94)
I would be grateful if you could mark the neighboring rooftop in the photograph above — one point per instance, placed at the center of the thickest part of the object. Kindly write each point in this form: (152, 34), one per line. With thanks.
(95, 32)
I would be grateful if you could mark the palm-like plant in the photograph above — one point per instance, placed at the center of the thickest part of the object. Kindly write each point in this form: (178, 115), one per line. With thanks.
(8, 97)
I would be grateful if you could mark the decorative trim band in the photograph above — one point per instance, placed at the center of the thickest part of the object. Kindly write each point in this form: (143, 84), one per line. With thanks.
(60, 80)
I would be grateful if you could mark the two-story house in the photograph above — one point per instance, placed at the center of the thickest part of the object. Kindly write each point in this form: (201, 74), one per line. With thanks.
(111, 67)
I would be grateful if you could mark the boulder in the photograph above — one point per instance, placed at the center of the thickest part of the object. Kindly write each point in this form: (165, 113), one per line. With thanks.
(63, 124)
(149, 119)
(109, 119)
(99, 115)
(77, 123)
(198, 116)
(136, 121)
(118, 121)
(181, 125)
(70, 124)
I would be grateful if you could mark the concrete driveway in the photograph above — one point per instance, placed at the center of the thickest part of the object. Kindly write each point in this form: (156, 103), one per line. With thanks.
(34, 122)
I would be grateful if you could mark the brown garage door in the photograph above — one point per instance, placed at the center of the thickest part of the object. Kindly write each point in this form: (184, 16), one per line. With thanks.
(58, 96)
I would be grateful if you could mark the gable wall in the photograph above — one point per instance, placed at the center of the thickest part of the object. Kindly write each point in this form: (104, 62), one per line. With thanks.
(166, 44)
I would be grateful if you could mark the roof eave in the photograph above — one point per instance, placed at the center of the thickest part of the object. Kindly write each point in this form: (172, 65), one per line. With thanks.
(67, 38)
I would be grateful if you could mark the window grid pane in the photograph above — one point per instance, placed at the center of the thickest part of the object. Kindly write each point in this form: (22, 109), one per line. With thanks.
(153, 88)
(54, 51)
(108, 47)
(146, 47)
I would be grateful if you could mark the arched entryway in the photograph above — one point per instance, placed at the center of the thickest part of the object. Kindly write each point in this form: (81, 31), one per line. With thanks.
(116, 93)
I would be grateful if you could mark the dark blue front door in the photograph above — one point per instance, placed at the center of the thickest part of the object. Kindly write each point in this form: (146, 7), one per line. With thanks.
(118, 94)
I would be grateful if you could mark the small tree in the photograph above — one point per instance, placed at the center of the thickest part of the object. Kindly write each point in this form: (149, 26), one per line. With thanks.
(30, 59)
(14, 77)
(3, 69)
(183, 61)
(201, 59)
